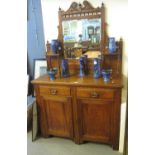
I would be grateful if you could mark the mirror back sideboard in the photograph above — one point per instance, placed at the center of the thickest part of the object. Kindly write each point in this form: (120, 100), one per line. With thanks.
(67, 107)
(86, 11)
(80, 12)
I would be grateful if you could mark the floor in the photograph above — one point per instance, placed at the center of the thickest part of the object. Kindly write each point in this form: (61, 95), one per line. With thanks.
(61, 146)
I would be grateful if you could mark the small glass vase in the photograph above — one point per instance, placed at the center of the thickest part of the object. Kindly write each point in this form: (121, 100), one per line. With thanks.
(85, 64)
(106, 73)
(55, 45)
(52, 73)
(82, 66)
(112, 45)
(65, 68)
(97, 68)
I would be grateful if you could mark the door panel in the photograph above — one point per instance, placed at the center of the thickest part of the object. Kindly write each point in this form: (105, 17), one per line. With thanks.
(95, 119)
(59, 116)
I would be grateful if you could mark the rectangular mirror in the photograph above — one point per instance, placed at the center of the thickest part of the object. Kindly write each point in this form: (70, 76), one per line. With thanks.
(80, 36)
(84, 30)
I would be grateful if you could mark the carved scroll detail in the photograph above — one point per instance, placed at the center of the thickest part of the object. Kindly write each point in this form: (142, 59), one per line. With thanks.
(74, 7)
(87, 6)
(78, 7)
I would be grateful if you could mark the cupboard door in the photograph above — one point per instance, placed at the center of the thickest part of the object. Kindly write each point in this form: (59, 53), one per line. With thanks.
(58, 111)
(94, 117)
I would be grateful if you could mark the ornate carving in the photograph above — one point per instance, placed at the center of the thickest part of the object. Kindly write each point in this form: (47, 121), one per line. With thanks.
(78, 7)
(84, 10)
(74, 7)
(87, 6)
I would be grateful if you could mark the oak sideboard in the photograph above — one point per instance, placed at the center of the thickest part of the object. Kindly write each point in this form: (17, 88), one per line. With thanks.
(82, 109)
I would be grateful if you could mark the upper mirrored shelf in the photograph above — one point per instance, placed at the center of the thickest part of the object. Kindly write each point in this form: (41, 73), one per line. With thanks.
(84, 30)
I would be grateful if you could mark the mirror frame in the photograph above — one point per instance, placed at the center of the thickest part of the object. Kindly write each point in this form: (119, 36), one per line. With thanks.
(85, 11)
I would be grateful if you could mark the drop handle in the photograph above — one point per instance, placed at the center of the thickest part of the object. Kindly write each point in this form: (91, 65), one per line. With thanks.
(94, 94)
(53, 92)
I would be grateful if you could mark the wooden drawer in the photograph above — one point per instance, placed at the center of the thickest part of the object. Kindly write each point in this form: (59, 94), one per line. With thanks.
(55, 90)
(99, 93)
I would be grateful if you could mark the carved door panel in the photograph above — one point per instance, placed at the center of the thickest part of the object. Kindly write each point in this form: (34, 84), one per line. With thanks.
(95, 120)
(58, 111)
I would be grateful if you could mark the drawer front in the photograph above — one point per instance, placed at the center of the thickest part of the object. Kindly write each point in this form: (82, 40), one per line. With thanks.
(98, 93)
(55, 90)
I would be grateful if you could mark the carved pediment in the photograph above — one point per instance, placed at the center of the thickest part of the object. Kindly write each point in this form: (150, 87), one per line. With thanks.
(78, 7)
(81, 11)
(74, 7)
(87, 6)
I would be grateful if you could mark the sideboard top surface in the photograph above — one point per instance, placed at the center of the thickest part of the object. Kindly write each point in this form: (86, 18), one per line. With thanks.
(79, 81)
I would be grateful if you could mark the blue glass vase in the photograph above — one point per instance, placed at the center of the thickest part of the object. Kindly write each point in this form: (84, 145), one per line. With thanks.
(97, 67)
(52, 74)
(112, 45)
(55, 45)
(85, 57)
(65, 68)
(82, 66)
(106, 75)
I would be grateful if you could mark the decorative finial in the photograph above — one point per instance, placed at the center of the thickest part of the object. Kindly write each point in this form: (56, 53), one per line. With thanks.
(59, 8)
(102, 4)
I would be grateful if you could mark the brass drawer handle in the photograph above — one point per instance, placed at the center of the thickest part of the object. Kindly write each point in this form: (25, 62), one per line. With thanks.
(94, 95)
(53, 91)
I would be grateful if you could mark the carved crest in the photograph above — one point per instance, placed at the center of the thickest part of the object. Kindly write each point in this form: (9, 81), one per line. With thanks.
(77, 7)
(74, 7)
(87, 5)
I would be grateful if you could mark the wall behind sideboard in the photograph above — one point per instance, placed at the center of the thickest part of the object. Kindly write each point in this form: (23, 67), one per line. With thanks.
(116, 12)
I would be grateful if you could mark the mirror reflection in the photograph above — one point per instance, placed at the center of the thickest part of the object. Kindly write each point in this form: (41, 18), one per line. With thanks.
(80, 36)
(82, 30)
